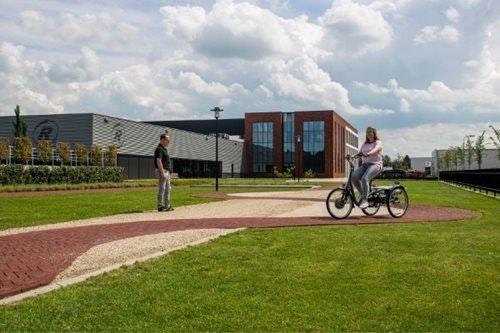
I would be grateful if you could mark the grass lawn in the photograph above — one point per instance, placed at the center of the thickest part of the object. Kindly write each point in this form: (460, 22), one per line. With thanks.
(43, 209)
(400, 277)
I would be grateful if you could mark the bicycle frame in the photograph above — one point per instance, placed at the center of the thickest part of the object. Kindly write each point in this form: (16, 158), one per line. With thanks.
(349, 186)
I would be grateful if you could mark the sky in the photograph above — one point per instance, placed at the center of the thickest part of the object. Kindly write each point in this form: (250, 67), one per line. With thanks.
(425, 73)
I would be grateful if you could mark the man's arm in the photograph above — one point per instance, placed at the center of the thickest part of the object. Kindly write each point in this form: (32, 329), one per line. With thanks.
(162, 172)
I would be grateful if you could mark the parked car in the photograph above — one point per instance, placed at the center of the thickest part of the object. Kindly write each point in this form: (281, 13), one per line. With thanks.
(414, 174)
(393, 174)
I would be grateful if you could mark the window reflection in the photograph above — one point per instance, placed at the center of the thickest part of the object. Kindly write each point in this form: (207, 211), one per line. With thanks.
(262, 145)
(313, 146)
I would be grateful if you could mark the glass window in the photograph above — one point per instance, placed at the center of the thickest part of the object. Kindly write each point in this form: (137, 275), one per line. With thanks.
(262, 146)
(313, 151)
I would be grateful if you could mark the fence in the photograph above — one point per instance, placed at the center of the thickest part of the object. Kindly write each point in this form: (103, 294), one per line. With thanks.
(487, 180)
(56, 160)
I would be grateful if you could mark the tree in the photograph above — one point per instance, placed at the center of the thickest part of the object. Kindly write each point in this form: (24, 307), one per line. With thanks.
(4, 149)
(496, 141)
(44, 151)
(387, 160)
(81, 154)
(454, 156)
(407, 162)
(461, 156)
(469, 152)
(96, 154)
(446, 160)
(64, 152)
(23, 149)
(398, 162)
(111, 155)
(479, 149)
(20, 127)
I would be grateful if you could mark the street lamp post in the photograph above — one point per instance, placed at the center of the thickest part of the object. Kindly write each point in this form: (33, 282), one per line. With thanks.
(298, 158)
(463, 145)
(216, 110)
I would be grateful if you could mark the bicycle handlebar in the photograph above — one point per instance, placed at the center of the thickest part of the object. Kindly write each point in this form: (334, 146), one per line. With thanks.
(350, 159)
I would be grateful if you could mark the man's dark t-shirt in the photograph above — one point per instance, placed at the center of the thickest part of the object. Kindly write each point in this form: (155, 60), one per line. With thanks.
(162, 152)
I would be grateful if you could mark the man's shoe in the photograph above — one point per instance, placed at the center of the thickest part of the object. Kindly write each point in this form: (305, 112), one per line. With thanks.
(363, 204)
(169, 209)
(161, 209)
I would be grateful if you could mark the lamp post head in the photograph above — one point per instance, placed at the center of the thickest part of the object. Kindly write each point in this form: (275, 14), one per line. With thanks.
(298, 138)
(216, 110)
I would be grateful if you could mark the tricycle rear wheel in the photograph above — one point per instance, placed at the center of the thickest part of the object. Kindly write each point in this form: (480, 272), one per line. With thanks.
(397, 202)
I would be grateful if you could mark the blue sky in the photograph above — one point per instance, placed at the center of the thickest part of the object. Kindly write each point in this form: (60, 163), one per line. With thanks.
(426, 73)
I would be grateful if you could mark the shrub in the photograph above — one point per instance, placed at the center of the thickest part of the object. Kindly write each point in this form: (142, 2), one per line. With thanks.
(63, 149)
(4, 149)
(288, 173)
(309, 174)
(44, 151)
(23, 149)
(81, 154)
(11, 174)
(37, 175)
(16, 174)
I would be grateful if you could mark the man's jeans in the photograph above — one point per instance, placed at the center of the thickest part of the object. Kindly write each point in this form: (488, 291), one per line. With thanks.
(362, 176)
(163, 190)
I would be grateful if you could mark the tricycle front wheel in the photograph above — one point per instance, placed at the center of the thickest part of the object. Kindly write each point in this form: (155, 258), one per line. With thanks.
(339, 203)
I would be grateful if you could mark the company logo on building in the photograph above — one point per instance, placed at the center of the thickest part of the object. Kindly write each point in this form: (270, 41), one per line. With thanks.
(46, 130)
(118, 133)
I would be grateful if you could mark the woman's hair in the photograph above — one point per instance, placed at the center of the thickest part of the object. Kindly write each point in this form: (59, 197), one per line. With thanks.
(375, 134)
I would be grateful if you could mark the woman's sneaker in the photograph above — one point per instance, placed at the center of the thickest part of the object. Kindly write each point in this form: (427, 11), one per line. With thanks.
(363, 204)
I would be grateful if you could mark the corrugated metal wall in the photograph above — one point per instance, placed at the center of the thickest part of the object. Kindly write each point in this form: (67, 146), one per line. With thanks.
(71, 128)
(135, 138)
(132, 138)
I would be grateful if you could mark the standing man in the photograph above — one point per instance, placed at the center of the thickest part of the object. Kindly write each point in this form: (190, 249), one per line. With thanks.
(162, 171)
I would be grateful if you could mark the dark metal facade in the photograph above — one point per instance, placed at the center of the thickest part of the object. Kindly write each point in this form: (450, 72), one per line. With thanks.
(226, 126)
(136, 141)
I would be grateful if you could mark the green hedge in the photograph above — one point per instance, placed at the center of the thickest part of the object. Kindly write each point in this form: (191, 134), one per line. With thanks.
(20, 174)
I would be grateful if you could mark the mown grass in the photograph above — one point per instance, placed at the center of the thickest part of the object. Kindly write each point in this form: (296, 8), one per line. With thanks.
(140, 183)
(23, 211)
(35, 210)
(394, 277)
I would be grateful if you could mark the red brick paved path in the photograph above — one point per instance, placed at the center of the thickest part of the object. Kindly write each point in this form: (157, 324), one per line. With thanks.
(32, 259)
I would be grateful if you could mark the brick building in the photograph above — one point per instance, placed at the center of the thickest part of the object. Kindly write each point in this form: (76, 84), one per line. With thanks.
(305, 140)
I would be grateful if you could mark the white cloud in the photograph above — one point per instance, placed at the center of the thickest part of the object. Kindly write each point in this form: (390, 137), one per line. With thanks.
(405, 106)
(183, 21)
(452, 14)
(438, 97)
(24, 82)
(433, 33)
(484, 71)
(85, 68)
(387, 6)
(354, 29)
(100, 28)
(303, 80)
(420, 141)
(240, 30)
